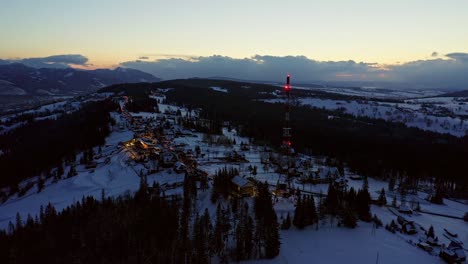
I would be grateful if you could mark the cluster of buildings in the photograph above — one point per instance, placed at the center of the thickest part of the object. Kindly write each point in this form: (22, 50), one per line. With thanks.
(153, 142)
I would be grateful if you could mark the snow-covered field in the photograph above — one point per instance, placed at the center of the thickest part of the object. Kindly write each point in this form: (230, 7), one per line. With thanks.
(219, 89)
(364, 245)
(374, 92)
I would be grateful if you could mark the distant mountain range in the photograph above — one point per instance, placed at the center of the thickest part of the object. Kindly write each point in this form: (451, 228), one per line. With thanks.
(18, 79)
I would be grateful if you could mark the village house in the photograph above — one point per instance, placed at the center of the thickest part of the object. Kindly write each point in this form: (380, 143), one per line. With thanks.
(168, 159)
(180, 167)
(234, 156)
(318, 174)
(454, 253)
(243, 187)
(407, 226)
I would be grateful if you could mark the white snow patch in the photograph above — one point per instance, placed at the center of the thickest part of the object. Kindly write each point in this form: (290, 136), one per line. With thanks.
(219, 89)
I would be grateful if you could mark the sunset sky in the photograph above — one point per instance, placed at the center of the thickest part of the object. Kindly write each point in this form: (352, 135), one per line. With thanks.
(110, 33)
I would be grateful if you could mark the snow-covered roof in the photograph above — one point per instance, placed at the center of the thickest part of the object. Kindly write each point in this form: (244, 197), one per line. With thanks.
(179, 164)
(460, 252)
(404, 208)
(239, 181)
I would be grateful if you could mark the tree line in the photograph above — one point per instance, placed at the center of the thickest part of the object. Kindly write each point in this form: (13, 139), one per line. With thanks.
(38, 147)
(148, 227)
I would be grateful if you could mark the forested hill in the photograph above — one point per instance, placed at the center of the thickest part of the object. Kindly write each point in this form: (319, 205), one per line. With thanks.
(234, 88)
(37, 147)
(19, 79)
(371, 147)
(463, 93)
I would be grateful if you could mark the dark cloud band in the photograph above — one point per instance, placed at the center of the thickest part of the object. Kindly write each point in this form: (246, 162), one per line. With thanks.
(55, 61)
(434, 73)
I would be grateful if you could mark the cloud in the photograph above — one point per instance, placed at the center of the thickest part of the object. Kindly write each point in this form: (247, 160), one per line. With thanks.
(435, 54)
(437, 73)
(449, 71)
(458, 56)
(432, 73)
(257, 67)
(55, 61)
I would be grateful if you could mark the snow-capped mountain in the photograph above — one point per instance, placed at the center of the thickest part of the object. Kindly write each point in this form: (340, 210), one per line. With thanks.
(18, 79)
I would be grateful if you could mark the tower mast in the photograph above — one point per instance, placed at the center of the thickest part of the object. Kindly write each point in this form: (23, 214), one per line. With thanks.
(287, 129)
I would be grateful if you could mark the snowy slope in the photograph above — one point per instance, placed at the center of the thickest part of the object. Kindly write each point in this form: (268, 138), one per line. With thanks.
(341, 245)
(442, 115)
(117, 174)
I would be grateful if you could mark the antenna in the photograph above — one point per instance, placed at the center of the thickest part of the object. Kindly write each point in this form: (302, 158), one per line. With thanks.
(287, 143)
(286, 128)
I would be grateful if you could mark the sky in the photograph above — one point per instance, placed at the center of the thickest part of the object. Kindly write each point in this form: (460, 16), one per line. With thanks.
(109, 33)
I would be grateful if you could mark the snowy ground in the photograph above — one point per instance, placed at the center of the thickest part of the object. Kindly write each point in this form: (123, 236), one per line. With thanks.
(338, 245)
(364, 245)
(219, 89)
(116, 174)
(114, 178)
(374, 92)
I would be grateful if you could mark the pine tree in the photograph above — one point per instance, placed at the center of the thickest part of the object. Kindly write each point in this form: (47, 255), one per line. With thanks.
(29, 221)
(363, 205)
(18, 221)
(378, 223)
(299, 220)
(60, 170)
(351, 198)
(90, 154)
(41, 214)
(72, 171)
(272, 241)
(391, 184)
(286, 223)
(239, 250)
(203, 183)
(84, 158)
(332, 202)
(248, 237)
(266, 220)
(311, 212)
(219, 231)
(40, 184)
(394, 201)
(348, 218)
(438, 198)
(365, 184)
(382, 198)
(430, 232)
(200, 241)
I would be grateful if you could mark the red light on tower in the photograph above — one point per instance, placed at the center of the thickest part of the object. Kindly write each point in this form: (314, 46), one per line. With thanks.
(287, 87)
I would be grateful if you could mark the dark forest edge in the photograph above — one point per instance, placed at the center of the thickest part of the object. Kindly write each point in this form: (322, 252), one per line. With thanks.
(147, 227)
(41, 148)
